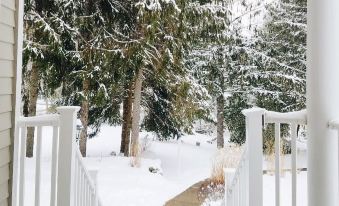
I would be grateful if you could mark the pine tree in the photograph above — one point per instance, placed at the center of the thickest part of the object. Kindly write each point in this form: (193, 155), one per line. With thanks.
(271, 73)
(40, 41)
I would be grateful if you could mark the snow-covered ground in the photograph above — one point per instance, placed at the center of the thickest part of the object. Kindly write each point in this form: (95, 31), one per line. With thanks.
(180, 163)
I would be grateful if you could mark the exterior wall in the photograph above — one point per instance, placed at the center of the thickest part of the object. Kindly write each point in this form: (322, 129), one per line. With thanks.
(7, 95)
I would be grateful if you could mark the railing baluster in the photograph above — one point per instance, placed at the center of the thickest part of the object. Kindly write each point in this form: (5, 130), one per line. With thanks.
(83, 188)
(80, 184)
(239, 185)
(38, 167)
(294, 163)
(93, 198)
(277, 164)
(76, 181)
(54, 173)
(229, 199)
(88, 196)
(239, 191)
(22, 166)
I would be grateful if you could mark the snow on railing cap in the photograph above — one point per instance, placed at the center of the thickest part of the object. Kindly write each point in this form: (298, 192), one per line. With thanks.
(253, 110)
(42, 120)
(299, 117)
(68, 109)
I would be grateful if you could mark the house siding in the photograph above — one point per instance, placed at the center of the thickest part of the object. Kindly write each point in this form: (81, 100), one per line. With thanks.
(7, 93)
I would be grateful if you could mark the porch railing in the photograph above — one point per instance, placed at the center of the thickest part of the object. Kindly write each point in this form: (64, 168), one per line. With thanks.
(71, 182)
(236, 191)
(245, 188)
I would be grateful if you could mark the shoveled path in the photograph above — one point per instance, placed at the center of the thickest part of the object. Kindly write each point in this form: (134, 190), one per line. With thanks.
(189, 197)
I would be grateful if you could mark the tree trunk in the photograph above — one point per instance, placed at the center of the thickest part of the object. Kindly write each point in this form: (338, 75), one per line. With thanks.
(220, 121)
(84, 118)
(33, 89)
(134, 150)
(126, 125)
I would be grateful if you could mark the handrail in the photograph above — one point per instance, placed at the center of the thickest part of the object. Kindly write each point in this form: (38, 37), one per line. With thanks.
(298, 117)
(43, 120)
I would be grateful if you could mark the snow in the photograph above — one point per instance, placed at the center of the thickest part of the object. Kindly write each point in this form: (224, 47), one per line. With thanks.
(180, 164)
(121, 184)
(183, 164)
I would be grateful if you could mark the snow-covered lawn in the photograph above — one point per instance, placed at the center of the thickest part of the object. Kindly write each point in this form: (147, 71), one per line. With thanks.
(180, 166)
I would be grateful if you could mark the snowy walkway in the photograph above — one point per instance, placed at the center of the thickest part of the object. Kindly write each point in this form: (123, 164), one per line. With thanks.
(189, 197)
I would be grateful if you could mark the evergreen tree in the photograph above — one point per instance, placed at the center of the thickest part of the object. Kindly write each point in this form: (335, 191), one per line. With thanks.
(271, 73)
(40, 43)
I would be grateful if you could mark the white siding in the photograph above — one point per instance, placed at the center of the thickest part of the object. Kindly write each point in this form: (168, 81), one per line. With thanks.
(6, 34)
(5, 103)
(5, 140)
(6, 68)
(4, 174)
(4, 191)
(7, 91)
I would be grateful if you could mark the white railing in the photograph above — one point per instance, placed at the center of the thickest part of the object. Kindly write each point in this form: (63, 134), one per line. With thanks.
(246, 185)
(85, 188)
(71, 183)
(236, 191)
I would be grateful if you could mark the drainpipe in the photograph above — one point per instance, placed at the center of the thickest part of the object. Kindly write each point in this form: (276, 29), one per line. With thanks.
(322, 101)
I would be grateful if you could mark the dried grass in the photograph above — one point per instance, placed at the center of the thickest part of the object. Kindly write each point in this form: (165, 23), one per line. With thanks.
(227, 157)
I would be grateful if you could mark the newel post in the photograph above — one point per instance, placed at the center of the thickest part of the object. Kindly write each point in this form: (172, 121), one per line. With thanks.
(254, 141)
(66, 154)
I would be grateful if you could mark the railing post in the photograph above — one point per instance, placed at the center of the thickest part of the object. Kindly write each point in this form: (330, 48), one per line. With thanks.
(254, 140)
(66, 155)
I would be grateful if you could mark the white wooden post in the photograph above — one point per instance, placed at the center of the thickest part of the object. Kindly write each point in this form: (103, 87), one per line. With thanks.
(229, 174)
(65, 183)
(254, 140)
(322, 101)
(94, 175)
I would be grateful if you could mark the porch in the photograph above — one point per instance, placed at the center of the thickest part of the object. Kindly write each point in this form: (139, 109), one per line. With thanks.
(73, 185)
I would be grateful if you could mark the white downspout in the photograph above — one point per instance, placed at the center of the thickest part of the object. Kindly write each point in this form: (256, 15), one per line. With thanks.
(322, 101)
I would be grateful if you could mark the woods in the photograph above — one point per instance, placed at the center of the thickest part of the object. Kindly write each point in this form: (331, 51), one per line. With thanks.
(162, 65)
